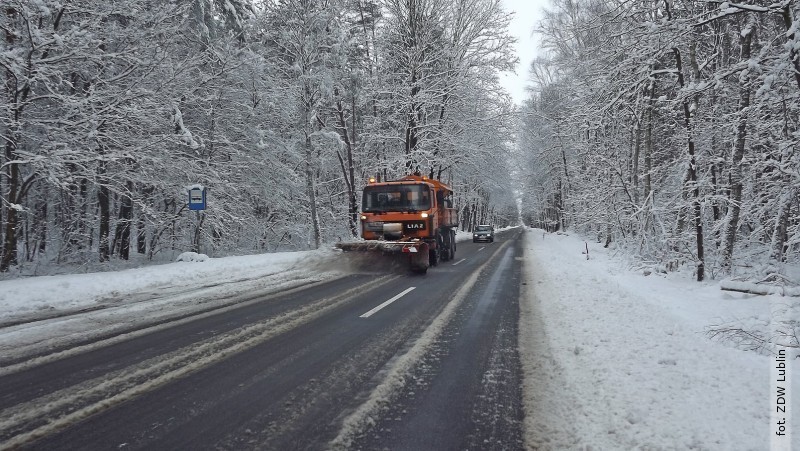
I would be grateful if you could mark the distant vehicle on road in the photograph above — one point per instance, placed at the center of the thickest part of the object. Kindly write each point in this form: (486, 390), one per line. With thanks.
(483, 233)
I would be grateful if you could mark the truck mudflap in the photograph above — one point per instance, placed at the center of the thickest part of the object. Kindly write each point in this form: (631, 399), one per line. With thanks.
(419, 256)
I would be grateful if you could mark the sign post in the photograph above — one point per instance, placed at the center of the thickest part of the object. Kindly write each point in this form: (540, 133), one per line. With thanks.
(197, 202)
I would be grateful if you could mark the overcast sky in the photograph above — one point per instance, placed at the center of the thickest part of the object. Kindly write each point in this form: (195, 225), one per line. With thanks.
(526, 14)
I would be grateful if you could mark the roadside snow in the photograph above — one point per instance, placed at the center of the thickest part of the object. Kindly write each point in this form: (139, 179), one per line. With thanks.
(191, 257)
(21, 297)
(617, 360)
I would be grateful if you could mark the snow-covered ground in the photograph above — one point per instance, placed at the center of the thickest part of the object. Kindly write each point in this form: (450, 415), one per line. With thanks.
(614, 359)
(36, 296)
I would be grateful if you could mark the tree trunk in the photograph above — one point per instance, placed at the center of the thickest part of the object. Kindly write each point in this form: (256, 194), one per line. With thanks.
(2, 209)
(791, 30)
(9, 256)
(43, 212)
(648, 160)
(465, 217)
(141, 228)
(103, 202)
(637, 149)
(778, 245)
(309, 167)
(411, 126)
(122, 235)
(715, 183)
(105, 216)
(348, 168)
(141, 235)
(560, 207)
(648, 145)
(352, 171)
(691, 184)
(734, 202)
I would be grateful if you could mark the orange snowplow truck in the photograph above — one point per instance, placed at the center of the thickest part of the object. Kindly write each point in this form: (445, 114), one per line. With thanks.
(413, 216)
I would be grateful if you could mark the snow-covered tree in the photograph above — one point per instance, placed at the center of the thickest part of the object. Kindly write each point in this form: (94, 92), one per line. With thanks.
(683, 124)
(280, 108)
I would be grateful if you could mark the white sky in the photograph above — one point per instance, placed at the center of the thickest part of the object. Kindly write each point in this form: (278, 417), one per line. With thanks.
(617, 359)
(526, 14)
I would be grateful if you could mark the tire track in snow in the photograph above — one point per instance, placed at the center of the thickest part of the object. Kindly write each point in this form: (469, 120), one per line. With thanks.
(29, 421)
(106, 330)
(400, 367)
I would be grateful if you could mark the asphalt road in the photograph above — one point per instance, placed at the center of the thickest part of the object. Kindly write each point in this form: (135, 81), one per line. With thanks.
(377, 359)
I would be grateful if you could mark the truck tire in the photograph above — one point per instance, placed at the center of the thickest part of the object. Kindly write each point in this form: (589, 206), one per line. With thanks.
(444, 254)
(433, 253)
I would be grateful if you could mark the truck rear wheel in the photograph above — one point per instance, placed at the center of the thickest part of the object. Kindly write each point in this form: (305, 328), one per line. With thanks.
(448, 245)
(445, 252)
(434, 252)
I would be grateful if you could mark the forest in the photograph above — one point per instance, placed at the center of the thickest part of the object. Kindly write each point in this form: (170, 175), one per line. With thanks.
(666, 129)
(670, 129)
(281, 109)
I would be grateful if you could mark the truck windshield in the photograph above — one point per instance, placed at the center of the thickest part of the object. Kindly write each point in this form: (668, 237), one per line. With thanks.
(380, 198)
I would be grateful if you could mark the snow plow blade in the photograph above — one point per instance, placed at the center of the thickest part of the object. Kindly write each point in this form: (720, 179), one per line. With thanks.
(388, 247)
(415, 253)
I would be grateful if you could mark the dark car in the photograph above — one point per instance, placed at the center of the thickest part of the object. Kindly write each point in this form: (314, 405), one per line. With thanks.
(483, 233)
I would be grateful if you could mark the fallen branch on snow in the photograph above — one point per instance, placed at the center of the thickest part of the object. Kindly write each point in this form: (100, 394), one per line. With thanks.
(758, 288)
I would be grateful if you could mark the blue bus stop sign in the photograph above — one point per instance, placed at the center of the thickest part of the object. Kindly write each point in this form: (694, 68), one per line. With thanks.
(197, 198)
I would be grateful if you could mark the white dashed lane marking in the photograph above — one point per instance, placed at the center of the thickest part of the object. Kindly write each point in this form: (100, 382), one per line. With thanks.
(378, 308)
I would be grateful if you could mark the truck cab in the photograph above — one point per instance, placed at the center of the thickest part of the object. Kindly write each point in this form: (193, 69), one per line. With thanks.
(412, 207)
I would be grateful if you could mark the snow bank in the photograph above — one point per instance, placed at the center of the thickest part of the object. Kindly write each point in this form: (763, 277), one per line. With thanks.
(191, 257)
(20, 297)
